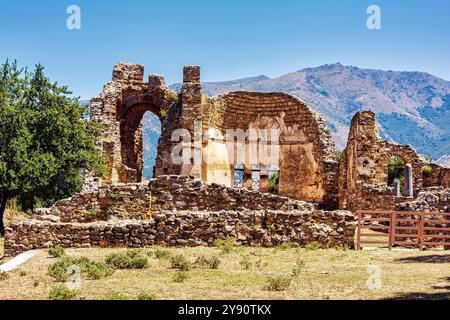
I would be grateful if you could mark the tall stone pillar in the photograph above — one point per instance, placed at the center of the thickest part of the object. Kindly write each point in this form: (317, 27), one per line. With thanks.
(409, 190)
(191, 120)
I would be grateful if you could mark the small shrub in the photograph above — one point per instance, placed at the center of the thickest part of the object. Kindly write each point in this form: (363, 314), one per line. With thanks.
(93, 270)
(112, 196)
(163, 113)
(225, 246)
(426, 170)
(147, 296)
(286, 245)
(61, 292)
(4, 276)
(56, 252)
(91, 213)
(179, 262)
(131, 259)
(116, 296)
(314, 245)
(22, 273)
(299, 265)
(278, 283)
(96, 270)
(35, 283)
(245, 263)
(162, 254)
(179, 276)
(260, 264)
(212, 263)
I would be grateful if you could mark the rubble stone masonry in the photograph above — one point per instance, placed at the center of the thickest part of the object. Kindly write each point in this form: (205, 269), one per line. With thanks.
(175, 211)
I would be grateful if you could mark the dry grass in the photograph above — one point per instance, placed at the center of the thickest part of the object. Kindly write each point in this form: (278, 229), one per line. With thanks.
(320, 274)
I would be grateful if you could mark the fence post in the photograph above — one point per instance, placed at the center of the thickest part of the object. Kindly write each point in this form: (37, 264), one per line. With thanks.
(358, 232)
(391, 229)
(420, 230)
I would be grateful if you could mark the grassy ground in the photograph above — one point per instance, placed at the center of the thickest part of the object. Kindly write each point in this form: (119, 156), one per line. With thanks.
(244, 274)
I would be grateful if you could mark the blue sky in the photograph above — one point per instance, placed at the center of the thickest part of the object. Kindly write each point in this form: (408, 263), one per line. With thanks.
(229, 38)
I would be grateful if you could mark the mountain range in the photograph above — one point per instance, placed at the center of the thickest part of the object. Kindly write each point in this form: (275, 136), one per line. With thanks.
(412, 107)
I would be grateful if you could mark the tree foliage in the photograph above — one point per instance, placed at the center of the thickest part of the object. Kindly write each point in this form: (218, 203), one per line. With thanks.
(45, 142)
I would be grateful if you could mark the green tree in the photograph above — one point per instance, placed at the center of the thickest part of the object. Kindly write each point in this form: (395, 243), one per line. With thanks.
(45, 141)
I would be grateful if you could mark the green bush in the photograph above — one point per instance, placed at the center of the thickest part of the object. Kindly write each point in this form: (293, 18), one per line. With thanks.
(61, 292)
(179, 262)
(226, 246)
(56, 252)
(112, 196)
(93, 270)
(179, 276)
(286, 245)
(279, 283)
(130, 259)
(35, 283)
(22, 273)
(147, 296)
(162, 254)
(212, 263)
(314, 245)
(116, 296)
(426, 170)
(4, 276)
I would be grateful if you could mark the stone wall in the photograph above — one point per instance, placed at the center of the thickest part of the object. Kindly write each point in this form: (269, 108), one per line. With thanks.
(185, 228)
(428, 200)
(363, 171)
(174, 193)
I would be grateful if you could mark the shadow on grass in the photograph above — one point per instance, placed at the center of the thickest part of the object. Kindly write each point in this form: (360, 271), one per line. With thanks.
(443, 294)
(435, 258)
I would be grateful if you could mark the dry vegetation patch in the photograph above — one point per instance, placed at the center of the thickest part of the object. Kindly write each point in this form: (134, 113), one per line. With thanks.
(240, 273)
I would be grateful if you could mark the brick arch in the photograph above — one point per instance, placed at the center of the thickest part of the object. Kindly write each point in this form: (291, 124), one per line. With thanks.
(407, 154)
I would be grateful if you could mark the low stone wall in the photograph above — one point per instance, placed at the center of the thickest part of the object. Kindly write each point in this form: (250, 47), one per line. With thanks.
(429, 200)
(169, 193)
(250, 228)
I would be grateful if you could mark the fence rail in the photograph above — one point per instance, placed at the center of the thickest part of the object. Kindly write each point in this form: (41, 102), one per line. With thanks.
(403, 228)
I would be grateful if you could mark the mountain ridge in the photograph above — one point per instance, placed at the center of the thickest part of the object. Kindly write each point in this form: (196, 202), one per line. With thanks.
(412, 107)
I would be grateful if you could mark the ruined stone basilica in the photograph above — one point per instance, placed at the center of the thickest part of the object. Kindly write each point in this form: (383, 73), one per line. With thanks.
(309, 168)
(195, 202)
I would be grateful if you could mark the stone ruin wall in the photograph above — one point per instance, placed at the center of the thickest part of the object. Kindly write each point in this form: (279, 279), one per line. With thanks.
(307, 165)
(119, 110)
(175, 211)
(304, 147)
(364, 167)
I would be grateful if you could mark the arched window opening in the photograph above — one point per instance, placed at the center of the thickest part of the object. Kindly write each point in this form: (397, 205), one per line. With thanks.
(151, 126)
(273, 172)
(239, 175)
(396, 175)
(256, 177)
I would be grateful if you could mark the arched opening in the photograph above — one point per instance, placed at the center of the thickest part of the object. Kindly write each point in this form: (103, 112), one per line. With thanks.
(140, 129)
(151, 126)
(239, 170)
(396, 175)
(256, 177)
(273, 172)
